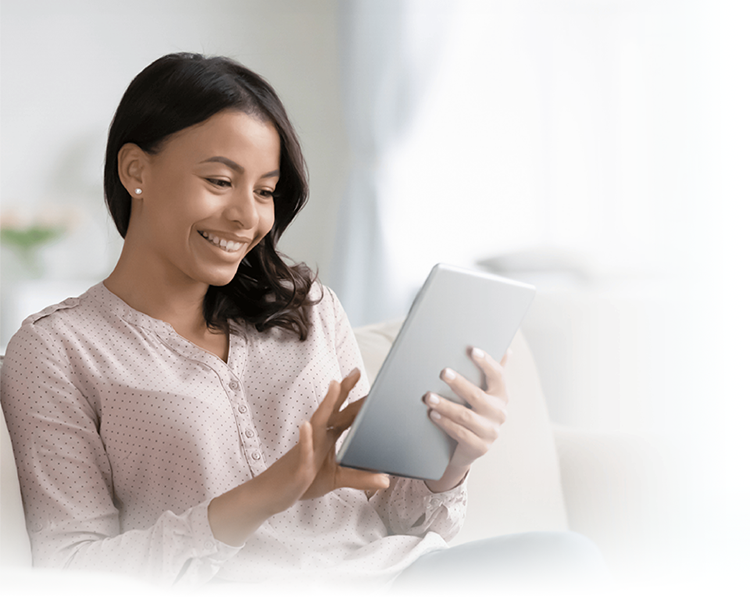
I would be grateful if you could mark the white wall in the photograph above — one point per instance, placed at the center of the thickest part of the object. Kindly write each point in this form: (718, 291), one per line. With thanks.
(65, 65)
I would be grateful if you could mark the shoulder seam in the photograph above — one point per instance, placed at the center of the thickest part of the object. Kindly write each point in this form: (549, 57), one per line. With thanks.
(46, 312)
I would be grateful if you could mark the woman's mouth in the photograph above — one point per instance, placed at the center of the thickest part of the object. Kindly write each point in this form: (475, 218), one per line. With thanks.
(226, 245)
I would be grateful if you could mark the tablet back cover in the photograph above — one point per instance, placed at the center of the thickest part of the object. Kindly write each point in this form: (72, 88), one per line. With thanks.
(455, 310)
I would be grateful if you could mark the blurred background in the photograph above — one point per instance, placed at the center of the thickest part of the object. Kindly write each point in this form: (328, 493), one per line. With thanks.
(595, 148)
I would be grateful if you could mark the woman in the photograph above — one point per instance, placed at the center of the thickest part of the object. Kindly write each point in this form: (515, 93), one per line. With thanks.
(178, 421)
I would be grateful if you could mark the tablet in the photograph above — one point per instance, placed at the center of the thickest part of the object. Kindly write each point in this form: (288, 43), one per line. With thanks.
(456, 309)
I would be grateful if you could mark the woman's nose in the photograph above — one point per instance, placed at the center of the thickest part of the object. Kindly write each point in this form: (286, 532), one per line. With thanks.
(244, 210)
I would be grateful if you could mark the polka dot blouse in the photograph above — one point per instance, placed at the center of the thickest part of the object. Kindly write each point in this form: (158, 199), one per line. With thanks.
(123, 432)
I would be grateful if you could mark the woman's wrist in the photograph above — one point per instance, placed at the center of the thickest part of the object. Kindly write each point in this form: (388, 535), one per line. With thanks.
(452, 478)
(237, 514)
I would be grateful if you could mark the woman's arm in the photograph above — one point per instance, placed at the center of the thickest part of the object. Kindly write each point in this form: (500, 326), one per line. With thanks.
(72, 512)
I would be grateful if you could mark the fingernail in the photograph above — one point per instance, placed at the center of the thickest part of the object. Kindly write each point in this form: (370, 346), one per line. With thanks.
(435, 415)
(449, 374)
(432, 399)
(477, 353)
(354, 371)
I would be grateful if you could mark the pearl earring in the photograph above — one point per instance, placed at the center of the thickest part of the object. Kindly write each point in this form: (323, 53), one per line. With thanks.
(138, 191)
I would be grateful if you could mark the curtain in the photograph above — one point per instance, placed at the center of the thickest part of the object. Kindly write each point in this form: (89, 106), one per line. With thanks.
(389, 50)
(560, 140)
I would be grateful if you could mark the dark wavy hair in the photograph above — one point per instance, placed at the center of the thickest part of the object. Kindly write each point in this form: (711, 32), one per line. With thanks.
(181, 90)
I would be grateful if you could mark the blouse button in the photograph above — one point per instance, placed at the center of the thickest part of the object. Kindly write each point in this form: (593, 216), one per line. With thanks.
(255, 455)
(249, 433)
(234, 386)
(242, 409)
(37, 527)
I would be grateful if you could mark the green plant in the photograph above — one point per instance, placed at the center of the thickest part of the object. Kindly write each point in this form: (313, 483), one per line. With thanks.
(27, 240)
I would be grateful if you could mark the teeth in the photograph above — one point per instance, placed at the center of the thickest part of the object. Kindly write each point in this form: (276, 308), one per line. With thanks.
(227, 245)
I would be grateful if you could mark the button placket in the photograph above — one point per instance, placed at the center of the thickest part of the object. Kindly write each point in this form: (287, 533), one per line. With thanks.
(249, 438)
(229, 381)
(238, 353)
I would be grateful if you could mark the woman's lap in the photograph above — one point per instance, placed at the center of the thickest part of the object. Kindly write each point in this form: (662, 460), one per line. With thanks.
(538, 559)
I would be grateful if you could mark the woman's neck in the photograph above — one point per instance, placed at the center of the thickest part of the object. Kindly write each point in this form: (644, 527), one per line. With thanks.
(179, 303)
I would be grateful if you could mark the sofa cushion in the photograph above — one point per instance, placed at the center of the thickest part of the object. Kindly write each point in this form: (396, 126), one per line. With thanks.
(516, 486)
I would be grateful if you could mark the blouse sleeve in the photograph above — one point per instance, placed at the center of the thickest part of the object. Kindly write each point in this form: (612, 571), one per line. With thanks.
(347, 350)
(66, 480)
(408, 506)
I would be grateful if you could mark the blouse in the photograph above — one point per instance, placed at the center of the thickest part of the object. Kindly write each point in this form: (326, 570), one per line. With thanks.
(123, 431)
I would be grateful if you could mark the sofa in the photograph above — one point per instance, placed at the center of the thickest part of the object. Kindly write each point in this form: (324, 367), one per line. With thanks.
(536, 477)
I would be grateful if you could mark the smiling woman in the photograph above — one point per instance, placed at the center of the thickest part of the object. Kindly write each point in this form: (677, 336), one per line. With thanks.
(178, 422)
(198, 215)
(218, 118)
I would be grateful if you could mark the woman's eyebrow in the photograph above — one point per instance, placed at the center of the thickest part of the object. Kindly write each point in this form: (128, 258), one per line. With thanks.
(226, 161)
(235, 167)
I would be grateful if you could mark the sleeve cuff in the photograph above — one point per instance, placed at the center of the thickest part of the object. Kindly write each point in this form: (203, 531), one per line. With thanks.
(206, 545)
(449, 497)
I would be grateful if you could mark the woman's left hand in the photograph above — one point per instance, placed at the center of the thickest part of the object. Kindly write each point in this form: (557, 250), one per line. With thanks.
(476, 426)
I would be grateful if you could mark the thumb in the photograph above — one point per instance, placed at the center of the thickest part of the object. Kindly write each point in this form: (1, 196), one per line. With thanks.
(361, 480)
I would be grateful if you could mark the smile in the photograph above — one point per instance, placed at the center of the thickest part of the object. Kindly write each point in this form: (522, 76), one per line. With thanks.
(226, 245)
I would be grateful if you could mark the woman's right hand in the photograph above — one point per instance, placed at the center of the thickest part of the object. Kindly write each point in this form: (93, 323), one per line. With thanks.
(328, 423)
(309, 470)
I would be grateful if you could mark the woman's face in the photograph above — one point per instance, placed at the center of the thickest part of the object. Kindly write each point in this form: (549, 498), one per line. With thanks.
(208, 197)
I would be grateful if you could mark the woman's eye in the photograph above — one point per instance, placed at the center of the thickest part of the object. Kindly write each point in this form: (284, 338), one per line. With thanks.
(218, 182)
(266, 194)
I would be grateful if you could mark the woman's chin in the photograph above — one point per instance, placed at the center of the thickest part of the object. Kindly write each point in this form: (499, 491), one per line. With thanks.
(221, 282)
(220, 278)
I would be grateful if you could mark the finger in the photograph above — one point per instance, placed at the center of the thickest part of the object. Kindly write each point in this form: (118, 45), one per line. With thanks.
(347, 385)
(471, 443)
(494, 372)
(343, 419)
(480, 401)
(325, 408)
(481, 426)
(339, 392)
(361, 480)
(334, 398)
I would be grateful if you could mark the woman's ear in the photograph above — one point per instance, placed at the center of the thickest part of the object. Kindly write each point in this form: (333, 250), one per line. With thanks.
(131, 166)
